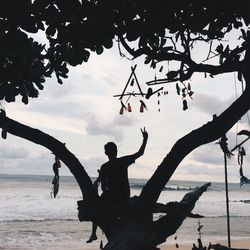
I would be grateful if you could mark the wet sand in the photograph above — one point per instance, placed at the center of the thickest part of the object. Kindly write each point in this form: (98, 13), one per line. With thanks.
(241, 244)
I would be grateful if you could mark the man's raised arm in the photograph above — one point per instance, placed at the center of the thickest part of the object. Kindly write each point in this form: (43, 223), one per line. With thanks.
(144, 143)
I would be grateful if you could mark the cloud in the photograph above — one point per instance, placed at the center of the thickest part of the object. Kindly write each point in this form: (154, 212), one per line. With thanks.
(13, 152)
(92, 164)
(208, 154)
(110, 81)
(210, 104)
(125, 121)
(95, 127)
(207, 172)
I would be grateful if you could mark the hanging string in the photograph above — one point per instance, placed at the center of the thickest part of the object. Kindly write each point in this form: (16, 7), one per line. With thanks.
(227, 154)
(236, 97)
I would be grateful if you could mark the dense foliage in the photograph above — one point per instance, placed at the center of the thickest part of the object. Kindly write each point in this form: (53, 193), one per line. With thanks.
(160, 30)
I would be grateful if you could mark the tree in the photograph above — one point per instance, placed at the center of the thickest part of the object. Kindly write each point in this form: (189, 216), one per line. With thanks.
(161, 30)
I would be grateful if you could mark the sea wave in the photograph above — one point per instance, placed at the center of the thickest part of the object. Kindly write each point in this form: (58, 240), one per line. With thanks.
(36, 220)
(156, 216)
(244, 201)
(166, 188)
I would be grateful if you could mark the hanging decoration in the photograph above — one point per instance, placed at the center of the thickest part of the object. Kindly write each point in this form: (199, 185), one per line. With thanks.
(55, 181)
(4, 127)
(184, 91)
(241, 154)
(133, 82)
(227, 154)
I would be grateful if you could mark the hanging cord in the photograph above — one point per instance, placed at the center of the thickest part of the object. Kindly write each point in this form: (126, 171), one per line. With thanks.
(227, 154)
(242, 88)
(236, 97)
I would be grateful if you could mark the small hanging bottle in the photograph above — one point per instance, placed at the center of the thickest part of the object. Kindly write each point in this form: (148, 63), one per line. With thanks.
(141, 108)
(129, 108)
(185, 106)
(121, 111)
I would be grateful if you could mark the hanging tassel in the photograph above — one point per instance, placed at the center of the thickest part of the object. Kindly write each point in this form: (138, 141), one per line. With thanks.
(143, 106)
(121, 111)
(129, 108)
(4, 131)
(178, 89)
(122, 108)
(55, 181)
(57, 161)
(149, 93)
(132, 82)
(185, 106)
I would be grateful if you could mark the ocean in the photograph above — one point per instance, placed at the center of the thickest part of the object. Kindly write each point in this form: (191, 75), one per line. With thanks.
(31, 219)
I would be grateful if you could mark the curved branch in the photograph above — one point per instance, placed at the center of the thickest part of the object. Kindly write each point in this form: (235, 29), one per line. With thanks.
(55, 146)
(165, 55)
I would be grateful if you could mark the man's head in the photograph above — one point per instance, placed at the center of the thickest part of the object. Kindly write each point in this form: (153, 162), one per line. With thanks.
(110, 150)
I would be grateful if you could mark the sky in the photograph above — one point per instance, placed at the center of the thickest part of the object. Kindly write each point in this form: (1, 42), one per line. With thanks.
(84, 114)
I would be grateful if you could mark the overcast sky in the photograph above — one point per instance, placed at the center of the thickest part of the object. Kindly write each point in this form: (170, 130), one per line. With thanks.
(84, 114)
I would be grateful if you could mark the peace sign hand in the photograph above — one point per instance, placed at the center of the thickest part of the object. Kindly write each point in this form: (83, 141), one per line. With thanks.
(144, 134)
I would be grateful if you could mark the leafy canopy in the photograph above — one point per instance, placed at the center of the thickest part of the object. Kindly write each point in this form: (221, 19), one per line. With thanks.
(159, 29)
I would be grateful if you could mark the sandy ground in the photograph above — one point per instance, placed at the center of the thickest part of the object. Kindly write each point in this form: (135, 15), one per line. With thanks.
(240, 244)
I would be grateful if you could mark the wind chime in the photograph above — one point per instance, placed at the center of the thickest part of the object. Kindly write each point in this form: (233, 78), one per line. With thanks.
(241, 150)
(244, 180)
(182, 89)
(241, 154)
(227, 154)
(132, 81)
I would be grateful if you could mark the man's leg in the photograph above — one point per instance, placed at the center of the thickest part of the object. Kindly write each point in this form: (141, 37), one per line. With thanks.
(93, 234)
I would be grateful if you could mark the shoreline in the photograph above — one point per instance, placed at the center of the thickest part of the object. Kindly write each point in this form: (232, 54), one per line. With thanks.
(235, 243)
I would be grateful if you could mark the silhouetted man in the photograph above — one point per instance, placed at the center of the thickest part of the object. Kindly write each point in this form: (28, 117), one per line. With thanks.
(114, 175)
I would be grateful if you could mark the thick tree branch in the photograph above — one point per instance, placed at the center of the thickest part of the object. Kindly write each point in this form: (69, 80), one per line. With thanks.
(139, 233)
(55, 146)
(210, 132)
(168, 224)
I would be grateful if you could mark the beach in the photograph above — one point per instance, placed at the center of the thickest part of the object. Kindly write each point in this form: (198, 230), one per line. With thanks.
(241, 244)
(31, 220)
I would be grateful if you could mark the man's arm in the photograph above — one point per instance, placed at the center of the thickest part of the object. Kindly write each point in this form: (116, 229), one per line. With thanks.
(143, 145)
(103, 179)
